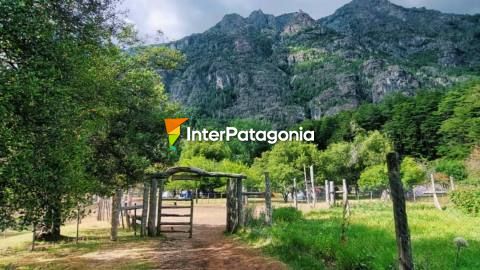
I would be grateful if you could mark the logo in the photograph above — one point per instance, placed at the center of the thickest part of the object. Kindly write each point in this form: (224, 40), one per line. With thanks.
(172, 126)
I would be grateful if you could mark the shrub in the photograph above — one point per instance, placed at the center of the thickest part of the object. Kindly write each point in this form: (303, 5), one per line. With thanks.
(286, 215)
(467, 199)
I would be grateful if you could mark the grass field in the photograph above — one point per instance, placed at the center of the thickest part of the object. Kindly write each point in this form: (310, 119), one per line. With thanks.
(314, 242)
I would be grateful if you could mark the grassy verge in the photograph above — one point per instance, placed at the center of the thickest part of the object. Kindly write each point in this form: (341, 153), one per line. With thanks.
(313, 242)
(94, 250)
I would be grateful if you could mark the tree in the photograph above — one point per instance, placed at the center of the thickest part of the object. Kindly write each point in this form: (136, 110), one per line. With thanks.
(414, 124)
(79, 116)
(49, 105)
(284, 162)
(460, 129)
(373, 178)
(346, 160)
(411, 172)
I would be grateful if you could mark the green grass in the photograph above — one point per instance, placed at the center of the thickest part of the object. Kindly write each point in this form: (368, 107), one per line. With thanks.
(66, 254)
(314, 242)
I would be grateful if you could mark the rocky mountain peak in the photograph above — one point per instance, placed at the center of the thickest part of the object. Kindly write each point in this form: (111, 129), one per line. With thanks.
(370, 3)
(230, 22)
(299, 68)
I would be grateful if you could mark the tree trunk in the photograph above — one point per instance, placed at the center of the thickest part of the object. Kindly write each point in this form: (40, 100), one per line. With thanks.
(50, 230)
(116, 205)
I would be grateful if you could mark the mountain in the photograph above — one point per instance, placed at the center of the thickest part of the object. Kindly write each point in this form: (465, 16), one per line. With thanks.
(287, 68)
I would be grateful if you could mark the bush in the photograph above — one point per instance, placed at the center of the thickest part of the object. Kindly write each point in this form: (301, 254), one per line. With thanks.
(286, 215)
(467, 199)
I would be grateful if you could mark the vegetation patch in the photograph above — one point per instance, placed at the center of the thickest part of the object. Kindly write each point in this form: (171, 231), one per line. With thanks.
(314, 242)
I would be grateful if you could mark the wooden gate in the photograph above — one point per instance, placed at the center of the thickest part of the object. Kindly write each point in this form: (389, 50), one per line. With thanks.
(156, 225)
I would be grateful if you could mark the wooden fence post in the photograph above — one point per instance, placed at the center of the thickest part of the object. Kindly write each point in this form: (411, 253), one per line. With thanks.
(344, 191)
(312, 180)
(452, 185)
(327, 193)
(307, 194)
(135, 219)
(268, 200)
(127, 216)
(295, 201)
(78, 224)
(434, 192)
(232, 205)
(331, 189)
(152, 208)
(399, 213)
(240, 206)
(143, 227)
(33, 236)
(159, 210)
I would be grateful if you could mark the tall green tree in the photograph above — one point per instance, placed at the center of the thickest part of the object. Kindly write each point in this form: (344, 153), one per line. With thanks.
(49, 105)
(460, 130)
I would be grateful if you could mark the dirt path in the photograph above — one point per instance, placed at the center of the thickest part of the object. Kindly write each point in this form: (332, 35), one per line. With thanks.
(209, 248)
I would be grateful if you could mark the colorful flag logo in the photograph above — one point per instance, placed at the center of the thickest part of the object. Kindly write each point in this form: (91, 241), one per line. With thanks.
(173, 129)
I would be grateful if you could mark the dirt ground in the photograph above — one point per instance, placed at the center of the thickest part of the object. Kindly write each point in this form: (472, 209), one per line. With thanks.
(209, 248)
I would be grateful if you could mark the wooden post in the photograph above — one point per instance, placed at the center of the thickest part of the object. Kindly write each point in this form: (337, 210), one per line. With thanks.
(232, 207)
(434, 192)
(240, 208)
(452, 185)
(116, 205)
(306, 185)
(78, 224)
(143, 224)
(121, 214)
(135, 219)
(312, 180)
(268, 200)
(33, 237)
(190, 232)
(161, 186)
(346, 205)
(295, 201)
(127, 216)
(400, 213)
(327, 193)
(331, 189)
(344, 191)
(152, 208)
(99, 209)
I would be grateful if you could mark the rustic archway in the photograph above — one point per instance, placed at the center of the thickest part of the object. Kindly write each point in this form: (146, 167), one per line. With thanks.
(234, 203)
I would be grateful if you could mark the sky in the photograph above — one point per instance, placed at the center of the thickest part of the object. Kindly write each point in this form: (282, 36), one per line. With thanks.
(180, 18)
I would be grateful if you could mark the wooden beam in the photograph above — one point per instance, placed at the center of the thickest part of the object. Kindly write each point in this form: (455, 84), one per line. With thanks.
(174, 170)
(253, 193)
(186, 177)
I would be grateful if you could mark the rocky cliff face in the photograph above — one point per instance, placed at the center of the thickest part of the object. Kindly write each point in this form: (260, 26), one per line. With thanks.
(291, 67)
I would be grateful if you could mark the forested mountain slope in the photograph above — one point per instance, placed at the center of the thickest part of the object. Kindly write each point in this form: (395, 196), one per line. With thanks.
(288, 68)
